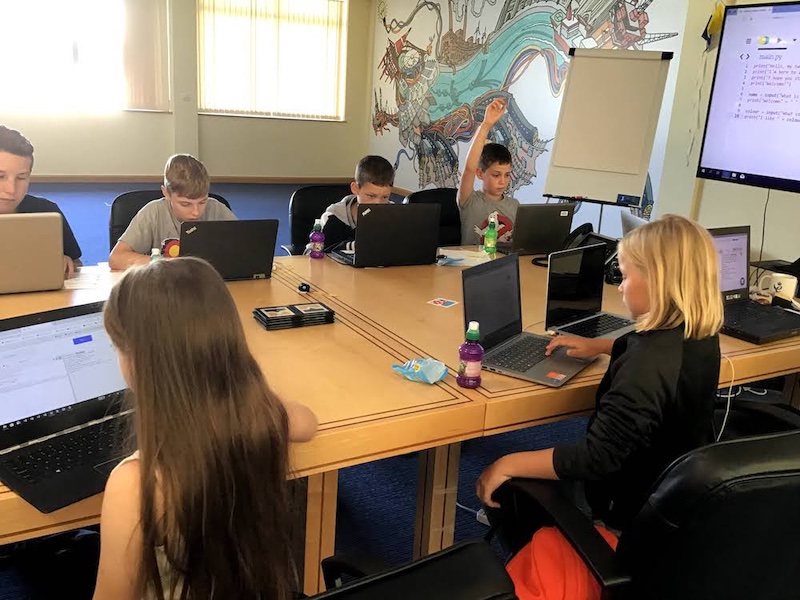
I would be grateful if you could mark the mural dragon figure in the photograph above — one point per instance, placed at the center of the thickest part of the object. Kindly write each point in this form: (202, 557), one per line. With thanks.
(442, 89)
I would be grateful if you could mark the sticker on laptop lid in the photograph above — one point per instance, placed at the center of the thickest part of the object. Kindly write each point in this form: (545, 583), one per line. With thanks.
(191, 230)
(366, 212)
(563, 213)
(556, 376)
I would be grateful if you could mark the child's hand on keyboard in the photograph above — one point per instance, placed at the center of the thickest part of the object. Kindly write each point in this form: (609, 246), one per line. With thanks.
(580, 347)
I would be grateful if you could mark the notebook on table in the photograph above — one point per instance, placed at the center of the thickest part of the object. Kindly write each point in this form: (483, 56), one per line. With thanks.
(63, 425)
(575, 295)
(492, 297)
(32, 248)
(539, 229)
(236, 249)
(393, 235)
(744, 318)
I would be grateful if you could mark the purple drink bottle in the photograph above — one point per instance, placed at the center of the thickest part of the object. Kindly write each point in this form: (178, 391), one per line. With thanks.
(470, 356)
(317, 239)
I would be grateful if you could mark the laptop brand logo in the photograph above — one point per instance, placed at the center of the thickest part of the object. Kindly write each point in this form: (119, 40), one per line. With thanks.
(563, 213)
(191, 230)
(732, 297)
(366, 212)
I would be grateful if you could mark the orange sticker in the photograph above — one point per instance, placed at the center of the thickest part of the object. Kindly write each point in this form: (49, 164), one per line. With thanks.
(556, 376)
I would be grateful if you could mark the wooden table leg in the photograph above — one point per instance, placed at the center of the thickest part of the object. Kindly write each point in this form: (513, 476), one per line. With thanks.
(320, 528)
(791, 391)
(437, 490)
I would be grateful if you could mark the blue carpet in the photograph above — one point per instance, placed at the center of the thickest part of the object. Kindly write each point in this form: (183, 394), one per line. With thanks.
(377, 501)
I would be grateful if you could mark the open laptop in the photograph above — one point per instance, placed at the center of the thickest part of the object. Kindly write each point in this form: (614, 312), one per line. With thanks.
(32, 248)
(630, 221)
(393, 235)
(492, 297)
(63, 426)
(575, 295)
(539, 229)
(744, 318)
(236, 249)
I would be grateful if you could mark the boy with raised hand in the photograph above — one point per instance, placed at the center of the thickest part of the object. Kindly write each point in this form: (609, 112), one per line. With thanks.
(373, 183)
(491, 163)
(185, 189)
(16, 164)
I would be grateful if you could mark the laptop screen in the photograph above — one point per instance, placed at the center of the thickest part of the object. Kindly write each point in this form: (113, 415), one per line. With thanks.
(574, 285)
(492, 297)
(57, 370)
(733, 249)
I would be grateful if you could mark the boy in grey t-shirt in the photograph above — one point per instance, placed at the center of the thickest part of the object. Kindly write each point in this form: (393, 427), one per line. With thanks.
(491, 163)
(158, 223)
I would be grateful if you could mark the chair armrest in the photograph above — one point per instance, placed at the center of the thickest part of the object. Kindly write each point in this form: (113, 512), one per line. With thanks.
(784, 413)
(576, 528)
(352, 565)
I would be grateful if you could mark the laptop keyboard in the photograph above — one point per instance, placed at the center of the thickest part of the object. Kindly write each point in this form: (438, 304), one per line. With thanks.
(745, 312)
(596, 327)
(89, 446)
(522, 354)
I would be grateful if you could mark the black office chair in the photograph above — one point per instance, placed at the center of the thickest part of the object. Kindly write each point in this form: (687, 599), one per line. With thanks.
(125, 207)
(449, 217)
(465, 571)
(305, 206)
(721, 522)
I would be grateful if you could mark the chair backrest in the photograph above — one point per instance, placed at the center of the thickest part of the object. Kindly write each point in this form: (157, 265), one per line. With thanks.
(307, 204)
(125, 207)
(723, 521)
(465, 571)
(449, 217)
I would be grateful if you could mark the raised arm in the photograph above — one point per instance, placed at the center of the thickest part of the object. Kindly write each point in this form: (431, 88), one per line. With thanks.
(494, 111)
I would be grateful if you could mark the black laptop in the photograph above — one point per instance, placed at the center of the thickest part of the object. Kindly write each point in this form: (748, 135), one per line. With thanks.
(574, 302)
(393, 235)
(236, 249)
(63, 426)
(492, 297)
(744, 318)
(539, 229)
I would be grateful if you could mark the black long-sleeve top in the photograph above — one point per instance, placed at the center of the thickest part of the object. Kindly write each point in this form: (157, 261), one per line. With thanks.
(654, 404)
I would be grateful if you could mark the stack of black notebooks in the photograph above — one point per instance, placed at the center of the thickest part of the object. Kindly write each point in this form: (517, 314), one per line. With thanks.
(293, 315)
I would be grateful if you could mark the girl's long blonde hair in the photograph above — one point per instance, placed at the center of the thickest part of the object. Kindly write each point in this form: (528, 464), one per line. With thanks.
(680, 262)
(212, 437)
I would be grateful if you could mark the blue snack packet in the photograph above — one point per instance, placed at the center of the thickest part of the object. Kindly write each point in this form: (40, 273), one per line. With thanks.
(426, 370)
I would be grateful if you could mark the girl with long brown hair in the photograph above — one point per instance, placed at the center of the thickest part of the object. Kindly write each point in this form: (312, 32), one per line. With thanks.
(200, 511)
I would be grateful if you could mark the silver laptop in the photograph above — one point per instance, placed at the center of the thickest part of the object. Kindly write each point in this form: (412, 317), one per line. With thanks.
(492, 297)
(575, 295)
(33, 249)
(540, 229)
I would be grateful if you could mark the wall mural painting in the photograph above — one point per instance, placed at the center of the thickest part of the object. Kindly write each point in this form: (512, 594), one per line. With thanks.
(445, 61)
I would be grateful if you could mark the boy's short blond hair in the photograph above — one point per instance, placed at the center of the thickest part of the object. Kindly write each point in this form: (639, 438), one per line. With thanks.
(186, 176)
(680, 262)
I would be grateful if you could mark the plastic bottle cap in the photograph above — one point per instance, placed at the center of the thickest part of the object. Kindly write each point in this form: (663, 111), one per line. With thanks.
(318, 222)
(473, 333)
(474, 326)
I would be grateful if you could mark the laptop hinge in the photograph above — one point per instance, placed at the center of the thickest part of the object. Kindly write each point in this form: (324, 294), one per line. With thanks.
(64, 432)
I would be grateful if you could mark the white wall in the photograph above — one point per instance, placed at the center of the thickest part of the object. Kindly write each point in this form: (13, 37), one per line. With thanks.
(137, 143)
(720, 203)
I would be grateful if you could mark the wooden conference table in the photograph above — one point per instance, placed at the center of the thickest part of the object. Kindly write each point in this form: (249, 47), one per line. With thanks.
(366, 411)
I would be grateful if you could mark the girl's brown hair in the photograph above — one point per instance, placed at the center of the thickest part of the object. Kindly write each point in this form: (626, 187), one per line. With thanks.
(680, 261)
(212, 437)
